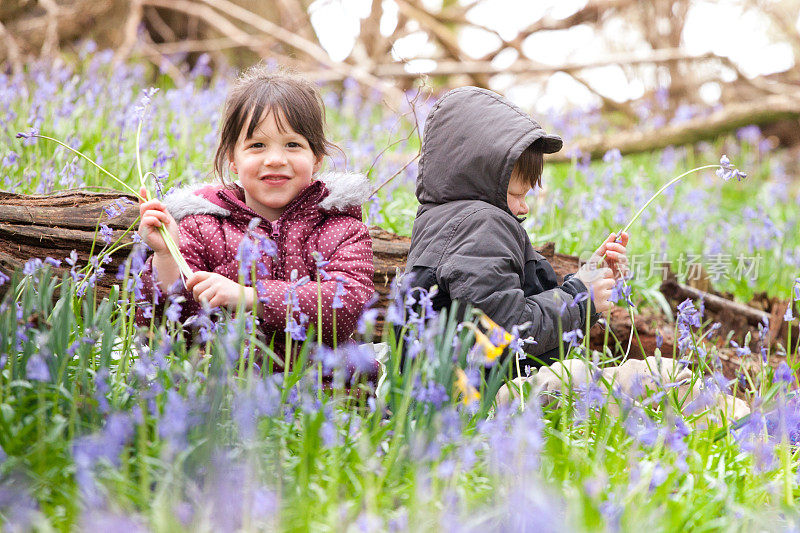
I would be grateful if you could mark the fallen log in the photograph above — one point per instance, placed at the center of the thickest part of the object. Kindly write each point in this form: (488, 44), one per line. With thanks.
(54, 225)
(734, 316)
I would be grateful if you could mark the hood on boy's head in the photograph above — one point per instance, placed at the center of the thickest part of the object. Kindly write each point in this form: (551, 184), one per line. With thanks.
(473, 137)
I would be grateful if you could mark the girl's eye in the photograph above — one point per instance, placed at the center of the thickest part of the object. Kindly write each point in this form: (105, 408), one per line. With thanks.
(293, 144)
(257, 145)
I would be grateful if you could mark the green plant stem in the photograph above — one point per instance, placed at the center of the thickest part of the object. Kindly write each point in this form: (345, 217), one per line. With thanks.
(90, 160)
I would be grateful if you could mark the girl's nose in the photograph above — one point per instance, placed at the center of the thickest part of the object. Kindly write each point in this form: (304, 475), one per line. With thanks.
(274, 157)
(523, 208)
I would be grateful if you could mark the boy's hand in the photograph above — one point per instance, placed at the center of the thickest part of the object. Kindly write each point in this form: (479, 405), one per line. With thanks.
(614, 252)
(599, 281)
(154, 215)
(218, 291)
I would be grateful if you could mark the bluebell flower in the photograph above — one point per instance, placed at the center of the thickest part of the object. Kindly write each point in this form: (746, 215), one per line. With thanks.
(367, 318)
(788, 316)
(9, 159)
(338, 293)
(36, 368)
(144, 101)
(783, 374)
(173, 312)
(28, 137)
(3, 278)
(621, 290)
(432, 392)
(741, 351)
(246, 254)
(728, 171)
(106, 233)
(32, 266)
(360, 357)
(296, 328)
(321, 263)
(175, 419)
(573, 337)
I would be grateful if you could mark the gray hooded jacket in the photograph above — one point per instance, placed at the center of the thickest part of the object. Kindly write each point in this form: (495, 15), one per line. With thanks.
(466, 240)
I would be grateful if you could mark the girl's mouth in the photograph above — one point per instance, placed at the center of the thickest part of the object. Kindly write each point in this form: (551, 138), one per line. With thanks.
(274, 179)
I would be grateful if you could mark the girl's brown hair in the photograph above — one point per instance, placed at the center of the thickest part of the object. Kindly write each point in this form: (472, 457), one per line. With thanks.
(530, 165)
(293, 100)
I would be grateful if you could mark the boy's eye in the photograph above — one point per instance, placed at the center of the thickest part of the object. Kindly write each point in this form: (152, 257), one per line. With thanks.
(256, 145)
(294, 144)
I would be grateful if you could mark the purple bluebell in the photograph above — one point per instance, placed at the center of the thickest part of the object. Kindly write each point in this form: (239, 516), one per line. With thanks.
(106, 233)
(639, 426)
(788, 316)
(367, 318)
(728, 171)
(741, 351)
(621, 290)
(360, 357)
(9, 159)
(338, 293)
(783, 374)
(573, 337)
(431, 392)
(297, 328)
(321, 263)
(173, 312)
(36, 368)
(247, 254)
(176, 420)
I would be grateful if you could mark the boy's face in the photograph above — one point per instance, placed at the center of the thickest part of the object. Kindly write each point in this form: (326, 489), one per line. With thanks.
(518, 189)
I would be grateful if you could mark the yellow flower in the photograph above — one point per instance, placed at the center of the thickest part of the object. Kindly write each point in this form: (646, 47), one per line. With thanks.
(491, 326)
(490, 350)
(469, 393)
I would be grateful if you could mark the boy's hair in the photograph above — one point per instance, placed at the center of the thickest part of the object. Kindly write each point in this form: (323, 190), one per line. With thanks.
(530, 165)
(293, 100)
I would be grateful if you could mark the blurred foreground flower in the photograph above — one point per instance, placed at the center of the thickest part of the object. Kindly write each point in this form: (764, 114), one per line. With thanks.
(468, 392)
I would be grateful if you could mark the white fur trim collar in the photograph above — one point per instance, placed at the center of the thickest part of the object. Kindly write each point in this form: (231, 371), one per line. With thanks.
(345, 189)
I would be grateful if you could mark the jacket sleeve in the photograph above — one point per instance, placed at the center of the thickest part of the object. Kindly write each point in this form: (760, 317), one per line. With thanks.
(483, 264)
(350, 268)
(193, 250)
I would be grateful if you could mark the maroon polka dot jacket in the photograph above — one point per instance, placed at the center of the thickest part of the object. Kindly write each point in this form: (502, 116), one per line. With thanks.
(324, 218)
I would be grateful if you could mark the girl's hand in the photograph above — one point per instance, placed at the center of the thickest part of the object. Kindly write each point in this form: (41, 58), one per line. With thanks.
(614, 252)
(218, 291)
(154, 215)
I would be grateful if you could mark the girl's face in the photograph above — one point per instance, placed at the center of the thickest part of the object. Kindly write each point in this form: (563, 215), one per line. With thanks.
(273, 166)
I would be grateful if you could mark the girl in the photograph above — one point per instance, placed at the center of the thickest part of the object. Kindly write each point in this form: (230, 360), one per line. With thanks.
(295, 226)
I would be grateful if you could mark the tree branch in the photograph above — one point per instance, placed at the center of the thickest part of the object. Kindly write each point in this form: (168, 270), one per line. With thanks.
(732, 117)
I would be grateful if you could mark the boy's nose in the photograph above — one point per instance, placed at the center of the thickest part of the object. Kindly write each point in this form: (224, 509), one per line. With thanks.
(523, 209)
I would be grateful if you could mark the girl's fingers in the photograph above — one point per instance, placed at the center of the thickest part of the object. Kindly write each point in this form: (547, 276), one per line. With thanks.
(196, 278)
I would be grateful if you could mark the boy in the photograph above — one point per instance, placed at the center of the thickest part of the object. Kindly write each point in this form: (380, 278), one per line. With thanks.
(480, 156)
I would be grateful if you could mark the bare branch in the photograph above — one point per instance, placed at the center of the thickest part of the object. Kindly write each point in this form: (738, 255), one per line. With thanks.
(157, 23)
(130, 32)
(50, 43)
(445, 68)
(163, 63)
(14, 55)
(733, 116)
